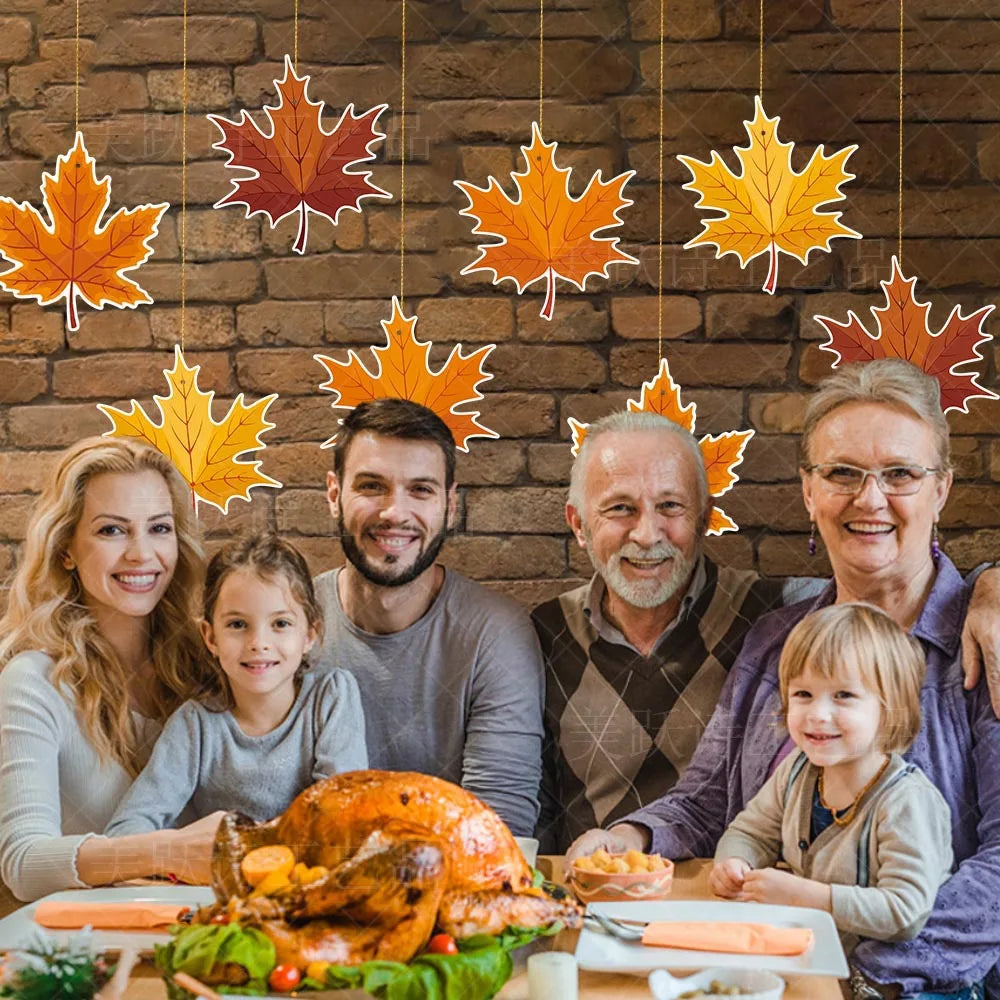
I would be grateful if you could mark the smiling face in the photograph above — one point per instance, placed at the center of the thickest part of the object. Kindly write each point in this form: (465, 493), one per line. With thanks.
(259, 632)
(124, 549)
(870, 533)
(392, 506)
(641, 521)
(833, 720)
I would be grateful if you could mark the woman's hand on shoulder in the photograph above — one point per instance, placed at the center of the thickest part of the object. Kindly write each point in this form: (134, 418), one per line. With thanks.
(619, 839)
(189, 857)
(726, 877)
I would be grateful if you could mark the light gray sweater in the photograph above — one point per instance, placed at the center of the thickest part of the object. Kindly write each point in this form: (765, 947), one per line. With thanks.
(457, 694)
(908, 847)
(54, 789)
(205, 760)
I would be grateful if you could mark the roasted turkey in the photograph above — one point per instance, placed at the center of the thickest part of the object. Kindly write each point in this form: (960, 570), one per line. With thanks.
(406, 853)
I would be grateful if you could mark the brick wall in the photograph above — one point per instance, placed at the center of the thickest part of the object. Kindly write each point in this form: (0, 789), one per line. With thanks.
(257, 312)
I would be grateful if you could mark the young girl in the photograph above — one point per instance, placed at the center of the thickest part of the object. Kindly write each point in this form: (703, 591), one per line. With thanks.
(867, 836)
(269, 728)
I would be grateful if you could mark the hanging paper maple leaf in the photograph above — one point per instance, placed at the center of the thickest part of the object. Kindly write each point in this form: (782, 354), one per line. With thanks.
(903, 332)
(721, 452)
(768, 207)
(205, 451)
(299, 166)
(71, 254)
(403, 371)
(546, 233)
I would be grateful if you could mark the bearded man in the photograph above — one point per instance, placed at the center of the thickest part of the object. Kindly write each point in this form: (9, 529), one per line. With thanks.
(636, 658)
(450, 672)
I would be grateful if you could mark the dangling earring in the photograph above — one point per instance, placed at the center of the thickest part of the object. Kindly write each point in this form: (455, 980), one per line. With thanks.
(935, 545)
(812, 539)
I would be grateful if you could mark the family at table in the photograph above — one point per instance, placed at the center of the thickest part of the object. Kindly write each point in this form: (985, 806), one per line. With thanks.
(670, 704)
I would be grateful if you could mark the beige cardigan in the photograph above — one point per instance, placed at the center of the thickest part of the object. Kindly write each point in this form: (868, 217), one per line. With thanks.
(907, 848)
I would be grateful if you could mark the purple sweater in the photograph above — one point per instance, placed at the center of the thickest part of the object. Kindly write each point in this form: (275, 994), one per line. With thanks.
(958, 748)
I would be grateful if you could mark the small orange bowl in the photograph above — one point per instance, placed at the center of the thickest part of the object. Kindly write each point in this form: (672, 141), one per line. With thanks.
(616, 887)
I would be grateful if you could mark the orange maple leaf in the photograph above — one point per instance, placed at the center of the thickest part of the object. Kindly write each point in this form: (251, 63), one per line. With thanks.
(73, 254)
(546, 232)
(769, 207)
(721, 452)
(299, 166)
(205, 451)
(403, 371)
(903, 332)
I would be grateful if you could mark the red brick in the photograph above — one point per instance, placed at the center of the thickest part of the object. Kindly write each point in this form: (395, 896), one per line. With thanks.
(781, 412)
(546, 367)
(988, 152)
(300, 464)
(102, 377)
(637, 317)
(686, 20)
(550, 463)
(30, 330)
(215, 234)
(815, 364)
(303, 511)
(55, 425)
(363, 86)
(479, 163)
(204, 326)
(518, 414)
(304, 418)
(426, 228)
(492, 120)
(152, 183)
(320, 553)
(56, 63)
(209, 88)
(22, 381)
(217, 281)
(750, 317)
(157, 40)
(967, 458)
(574, 322)
(589, 407)
(15, 510)
(426, 183)
(705, 364)
(339, 276)
(15, 39)
(468, 319)
(490, 463)
(32, 134)
(350, 233)
(603, 19)
(495, 557)
(971, 507)
(718, 410)
(981, 418)
(769, 459)
(713, 65)
(743, 18)
(112, 330)
(835, 306)
(789, 556)
(103, 93)
(357, 321)
(680, 218)
(253, 516)
(286, 371)
(7, 564)
(697, 124)
(779, 508)
(525, 510)
(25, 471)
(937, 153)
(971, 548)
(276, 323)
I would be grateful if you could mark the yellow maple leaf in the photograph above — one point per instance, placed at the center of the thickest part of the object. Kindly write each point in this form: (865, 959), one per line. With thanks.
(403, 371)
(721, 452)
(74, 254)
(205, 451)
(545, 232)
(768, 207)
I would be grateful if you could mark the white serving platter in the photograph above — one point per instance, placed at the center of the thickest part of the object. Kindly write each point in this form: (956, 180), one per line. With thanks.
(19, 930)
(598, 951)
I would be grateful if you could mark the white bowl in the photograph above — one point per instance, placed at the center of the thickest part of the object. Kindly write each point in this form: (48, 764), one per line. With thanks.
(763, 985)
(529, 848)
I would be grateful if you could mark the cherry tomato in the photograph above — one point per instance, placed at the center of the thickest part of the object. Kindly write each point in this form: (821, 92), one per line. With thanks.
(442, 944)
(284, 978)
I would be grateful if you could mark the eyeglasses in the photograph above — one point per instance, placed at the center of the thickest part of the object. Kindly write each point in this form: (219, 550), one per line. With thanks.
(896, 480)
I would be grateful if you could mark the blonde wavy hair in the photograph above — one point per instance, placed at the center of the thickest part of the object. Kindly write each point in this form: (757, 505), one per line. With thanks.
(47, 611)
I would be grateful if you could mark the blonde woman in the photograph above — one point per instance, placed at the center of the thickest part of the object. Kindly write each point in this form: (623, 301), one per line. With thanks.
(97, 648)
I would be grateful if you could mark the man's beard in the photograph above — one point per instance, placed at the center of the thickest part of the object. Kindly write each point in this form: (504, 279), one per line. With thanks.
(382, 578)
(643, 593)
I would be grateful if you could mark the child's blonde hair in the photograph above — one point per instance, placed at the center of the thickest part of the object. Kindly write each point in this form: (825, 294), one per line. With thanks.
(890, 662)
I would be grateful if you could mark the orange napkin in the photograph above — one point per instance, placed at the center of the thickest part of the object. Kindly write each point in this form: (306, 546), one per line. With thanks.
(107, 916)
(737, 939)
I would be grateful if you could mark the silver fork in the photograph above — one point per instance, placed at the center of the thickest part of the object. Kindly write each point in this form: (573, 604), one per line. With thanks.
(614, 928)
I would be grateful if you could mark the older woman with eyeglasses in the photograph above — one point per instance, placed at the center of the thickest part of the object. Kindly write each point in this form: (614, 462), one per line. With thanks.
(875, 477)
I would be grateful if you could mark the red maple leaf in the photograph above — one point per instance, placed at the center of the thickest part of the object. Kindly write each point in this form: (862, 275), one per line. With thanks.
(299, 166)
(903, 332)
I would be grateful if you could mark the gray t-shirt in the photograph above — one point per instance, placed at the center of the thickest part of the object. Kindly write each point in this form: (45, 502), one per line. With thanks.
(203, 758)
(457, 694)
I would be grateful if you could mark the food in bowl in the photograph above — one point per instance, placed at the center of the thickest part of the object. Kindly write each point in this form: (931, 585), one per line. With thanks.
(751, 984)
(604, 877)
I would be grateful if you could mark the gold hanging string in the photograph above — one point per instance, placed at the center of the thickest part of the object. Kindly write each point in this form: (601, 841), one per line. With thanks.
(402, 157)
(541, 61)
(76, 75)
(295, 42)
(184, 105)
(659, 216)
(760, 53)
(899, 245)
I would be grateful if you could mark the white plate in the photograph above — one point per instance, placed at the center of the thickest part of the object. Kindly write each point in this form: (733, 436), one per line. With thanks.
(19, 930)
(599, 951)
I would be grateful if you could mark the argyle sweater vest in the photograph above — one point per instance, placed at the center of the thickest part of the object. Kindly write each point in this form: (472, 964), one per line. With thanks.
(620, 727)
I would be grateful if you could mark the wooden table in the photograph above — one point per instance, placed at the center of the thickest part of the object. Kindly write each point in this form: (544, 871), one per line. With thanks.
(690, 882)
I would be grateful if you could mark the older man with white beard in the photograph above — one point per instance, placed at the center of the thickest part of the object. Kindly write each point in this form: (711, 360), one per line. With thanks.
(636, 658)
